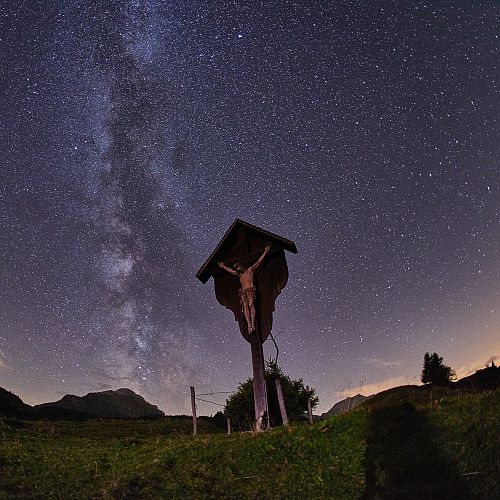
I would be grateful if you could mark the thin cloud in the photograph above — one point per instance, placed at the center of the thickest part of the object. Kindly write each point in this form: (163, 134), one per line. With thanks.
(380, 363)
(103, 387)
(491, 360)
(374, 388)
(104, 381)
(471, 368)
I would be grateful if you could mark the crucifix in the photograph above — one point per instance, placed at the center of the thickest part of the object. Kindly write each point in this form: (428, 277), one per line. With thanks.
(249, 270)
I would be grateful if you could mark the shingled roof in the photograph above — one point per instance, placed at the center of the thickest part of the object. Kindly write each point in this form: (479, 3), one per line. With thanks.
(227, 241)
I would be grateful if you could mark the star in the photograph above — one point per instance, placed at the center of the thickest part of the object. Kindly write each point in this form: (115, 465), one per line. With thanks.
(133, 135)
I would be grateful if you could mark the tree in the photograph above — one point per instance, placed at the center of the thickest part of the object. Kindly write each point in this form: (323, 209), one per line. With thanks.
(435, 371)
(240, 406)
(219, 419)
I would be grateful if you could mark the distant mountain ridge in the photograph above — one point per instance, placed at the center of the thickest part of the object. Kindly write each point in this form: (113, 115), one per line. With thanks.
(122, 403)
(119, 404)
(345, 405)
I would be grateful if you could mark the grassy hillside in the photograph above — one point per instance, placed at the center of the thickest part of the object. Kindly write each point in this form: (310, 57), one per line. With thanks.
(447, 449)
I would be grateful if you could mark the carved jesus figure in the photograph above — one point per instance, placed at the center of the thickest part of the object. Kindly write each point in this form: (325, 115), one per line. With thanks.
(248, 291)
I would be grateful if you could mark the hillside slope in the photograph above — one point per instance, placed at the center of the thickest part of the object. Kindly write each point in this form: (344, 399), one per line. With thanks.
(11, 405)
(444, 449)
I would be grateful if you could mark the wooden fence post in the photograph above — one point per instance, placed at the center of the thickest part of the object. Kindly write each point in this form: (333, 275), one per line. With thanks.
(228, 426)
(193, 407)
(309, 406)
(281, 401)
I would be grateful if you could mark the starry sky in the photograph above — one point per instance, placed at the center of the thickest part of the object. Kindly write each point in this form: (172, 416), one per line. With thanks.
(133, 133)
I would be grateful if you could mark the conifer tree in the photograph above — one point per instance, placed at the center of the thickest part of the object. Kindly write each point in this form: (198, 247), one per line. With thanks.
(435, 371)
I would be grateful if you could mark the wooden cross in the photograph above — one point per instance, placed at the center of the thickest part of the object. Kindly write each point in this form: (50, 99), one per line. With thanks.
(243, 244)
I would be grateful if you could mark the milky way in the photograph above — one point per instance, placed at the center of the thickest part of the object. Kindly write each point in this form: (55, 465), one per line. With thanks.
(136, 198)
(134, 133)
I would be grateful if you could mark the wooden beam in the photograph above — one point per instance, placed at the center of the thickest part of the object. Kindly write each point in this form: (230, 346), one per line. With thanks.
(207, 269)
(281, 401)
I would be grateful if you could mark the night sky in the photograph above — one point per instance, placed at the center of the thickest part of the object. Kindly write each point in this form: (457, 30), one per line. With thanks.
(132, 134)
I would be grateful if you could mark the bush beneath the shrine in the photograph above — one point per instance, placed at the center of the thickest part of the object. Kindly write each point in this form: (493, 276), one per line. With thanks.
(240, 406)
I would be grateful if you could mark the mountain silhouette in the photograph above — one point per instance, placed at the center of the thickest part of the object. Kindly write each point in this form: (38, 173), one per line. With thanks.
(122, 403)
(345, 405)
(12, 405)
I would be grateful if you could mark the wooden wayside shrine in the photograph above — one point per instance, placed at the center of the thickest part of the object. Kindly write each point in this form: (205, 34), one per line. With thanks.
(245, 244)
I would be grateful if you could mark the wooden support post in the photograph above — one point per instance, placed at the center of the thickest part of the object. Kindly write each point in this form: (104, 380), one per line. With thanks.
(228, 426)
(309, 406)
(281, 401)
(259, 384)
(309, 410)
(193, 407)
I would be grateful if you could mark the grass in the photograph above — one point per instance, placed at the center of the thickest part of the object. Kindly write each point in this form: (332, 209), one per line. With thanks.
(444, 449)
